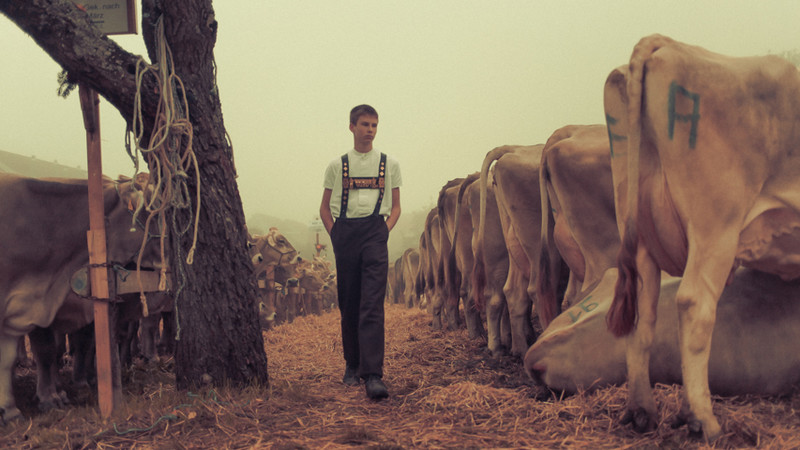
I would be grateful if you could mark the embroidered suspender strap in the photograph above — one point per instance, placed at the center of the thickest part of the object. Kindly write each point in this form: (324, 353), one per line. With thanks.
(345, 186)
(348, 183)
(381, 184)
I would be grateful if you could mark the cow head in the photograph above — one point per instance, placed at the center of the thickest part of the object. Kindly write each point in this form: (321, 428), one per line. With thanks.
(132, 236)
(255, 255)
(266, 314)
(275, 250)
(576, 351)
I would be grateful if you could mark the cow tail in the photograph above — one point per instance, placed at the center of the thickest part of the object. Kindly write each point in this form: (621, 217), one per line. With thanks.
(622, 314)
(419, 281)
(547, 280)
(479, 268)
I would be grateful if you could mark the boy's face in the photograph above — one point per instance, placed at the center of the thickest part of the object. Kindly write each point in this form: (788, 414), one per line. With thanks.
(364, 130)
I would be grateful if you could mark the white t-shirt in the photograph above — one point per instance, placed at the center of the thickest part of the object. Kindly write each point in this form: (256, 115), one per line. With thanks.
(361, 202)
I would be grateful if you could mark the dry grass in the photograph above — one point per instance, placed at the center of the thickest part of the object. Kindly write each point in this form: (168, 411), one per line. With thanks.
(446, 392)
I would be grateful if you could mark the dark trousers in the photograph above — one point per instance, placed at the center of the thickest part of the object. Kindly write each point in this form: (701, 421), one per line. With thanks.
(362, 265)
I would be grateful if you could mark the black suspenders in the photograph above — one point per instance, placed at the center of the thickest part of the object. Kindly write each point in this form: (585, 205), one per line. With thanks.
(349, 182)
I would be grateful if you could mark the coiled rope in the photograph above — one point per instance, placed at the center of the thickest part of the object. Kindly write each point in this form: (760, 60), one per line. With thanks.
(169, 154)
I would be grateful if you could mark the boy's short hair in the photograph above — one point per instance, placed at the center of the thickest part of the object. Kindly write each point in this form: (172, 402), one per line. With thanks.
(361, 110)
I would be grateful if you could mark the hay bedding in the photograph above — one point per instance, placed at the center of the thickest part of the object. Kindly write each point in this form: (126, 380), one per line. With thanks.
(446, 392)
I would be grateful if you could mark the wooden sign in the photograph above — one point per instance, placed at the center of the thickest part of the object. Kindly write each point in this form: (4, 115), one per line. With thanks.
(111, 16)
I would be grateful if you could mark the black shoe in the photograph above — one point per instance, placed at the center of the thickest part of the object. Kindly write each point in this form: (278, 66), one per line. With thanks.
(350, 378)
(376, 390)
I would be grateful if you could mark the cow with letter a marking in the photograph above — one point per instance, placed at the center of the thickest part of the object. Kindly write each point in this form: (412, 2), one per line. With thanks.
(706, 164)
(35, 278)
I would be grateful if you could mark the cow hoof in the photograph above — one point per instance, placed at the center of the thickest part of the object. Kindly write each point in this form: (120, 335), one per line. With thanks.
(475, 334)
(49, 405)
(677, 421)
(81, 385)
(8, 415)
(499, 352)
(695, 428)
(57, 401)
(641, 421)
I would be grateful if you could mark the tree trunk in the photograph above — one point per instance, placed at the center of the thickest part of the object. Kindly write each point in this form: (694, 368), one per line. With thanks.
(220, 338)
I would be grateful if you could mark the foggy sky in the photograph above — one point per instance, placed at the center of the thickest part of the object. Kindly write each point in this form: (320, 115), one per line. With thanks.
(450, 79)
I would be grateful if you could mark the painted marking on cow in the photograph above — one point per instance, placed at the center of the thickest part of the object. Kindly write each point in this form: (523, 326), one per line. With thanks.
(584, 306)
(694, 117)
(610, 120)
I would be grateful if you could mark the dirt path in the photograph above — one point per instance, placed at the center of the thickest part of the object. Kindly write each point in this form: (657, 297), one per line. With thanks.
(446, 392)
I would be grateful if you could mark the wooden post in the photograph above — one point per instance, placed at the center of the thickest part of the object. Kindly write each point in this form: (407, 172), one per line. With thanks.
(108, 398)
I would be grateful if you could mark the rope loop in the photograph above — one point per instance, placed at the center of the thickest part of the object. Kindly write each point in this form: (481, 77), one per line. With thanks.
(169, 153)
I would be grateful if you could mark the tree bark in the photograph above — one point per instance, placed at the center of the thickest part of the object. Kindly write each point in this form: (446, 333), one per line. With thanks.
(220, 338)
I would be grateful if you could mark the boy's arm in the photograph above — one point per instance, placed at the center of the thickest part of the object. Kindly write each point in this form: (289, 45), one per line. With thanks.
(325, 210)
(395, 213)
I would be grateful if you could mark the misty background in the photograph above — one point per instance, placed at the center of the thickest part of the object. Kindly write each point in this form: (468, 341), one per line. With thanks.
(451, 79)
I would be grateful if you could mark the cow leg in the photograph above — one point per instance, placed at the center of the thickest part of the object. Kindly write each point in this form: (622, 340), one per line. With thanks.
(43, 345)
(317, 304)
(495, 310)
(471, 313)
(641, 408)
(294, 306)
(451, 312)
(8, 356)
(148, 327)
(505, 327)
(126, 336)
(436, 311)
(697, 299)
(81, 347)
(168, 332)
(22, 354)
(519, 311)
(573, 289)
(473, 317)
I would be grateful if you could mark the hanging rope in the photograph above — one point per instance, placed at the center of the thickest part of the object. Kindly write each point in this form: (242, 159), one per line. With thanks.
(169, 153)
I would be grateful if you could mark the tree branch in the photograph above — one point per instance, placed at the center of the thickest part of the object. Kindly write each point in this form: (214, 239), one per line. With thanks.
(65, 33)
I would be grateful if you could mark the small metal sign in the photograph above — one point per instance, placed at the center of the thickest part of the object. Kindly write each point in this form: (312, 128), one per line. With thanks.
(111, 16)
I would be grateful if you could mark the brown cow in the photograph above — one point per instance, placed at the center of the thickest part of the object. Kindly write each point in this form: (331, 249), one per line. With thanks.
(706, 164)
(419, 280)
(426, 279)
(755, 348)
(274, 261)
(461, 259)
(516, 177)
(580, 226)
(35, 278)
(399, 283)
(410, 267)
(446, 209)
(491, 268)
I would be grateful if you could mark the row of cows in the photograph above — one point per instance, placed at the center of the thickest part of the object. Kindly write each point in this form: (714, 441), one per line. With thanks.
(288, 285)
(703, 238)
